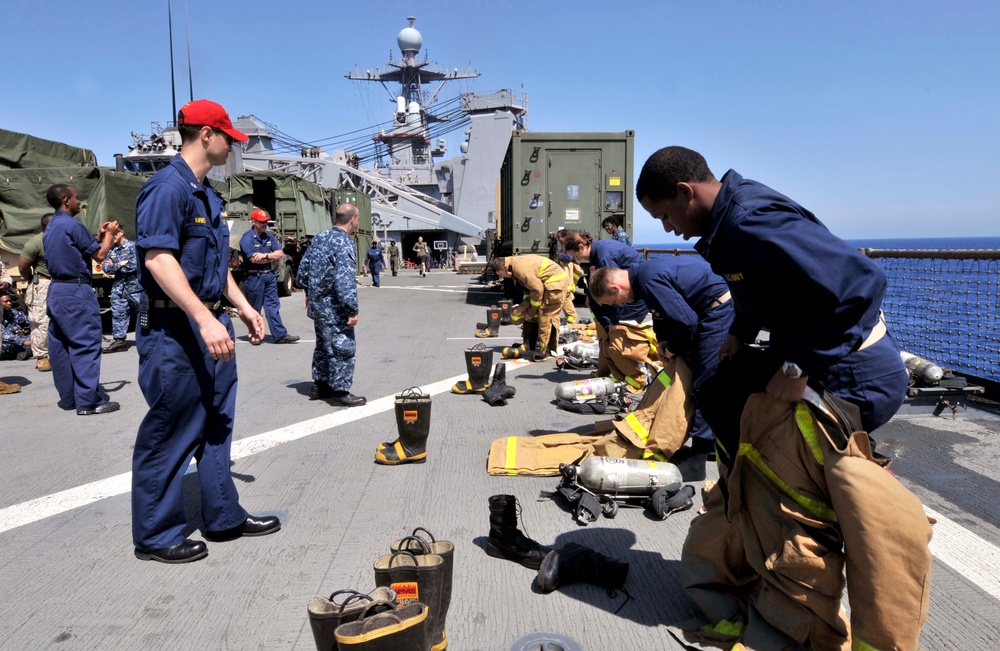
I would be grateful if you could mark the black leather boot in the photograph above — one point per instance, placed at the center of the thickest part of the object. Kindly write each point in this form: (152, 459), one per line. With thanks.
(498, 392)
(506, 540)
(578, 564)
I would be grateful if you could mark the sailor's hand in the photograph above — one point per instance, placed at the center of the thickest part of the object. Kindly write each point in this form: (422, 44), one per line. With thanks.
(352, 320)
(782, 387)
(663, 352)
(216, 337)
(254, 323)
(730, 347)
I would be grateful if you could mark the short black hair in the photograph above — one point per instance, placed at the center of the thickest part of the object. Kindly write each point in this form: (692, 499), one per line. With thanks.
(58, 193)
(666, 168)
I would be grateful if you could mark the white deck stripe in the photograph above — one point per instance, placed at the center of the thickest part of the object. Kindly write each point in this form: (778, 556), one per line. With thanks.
(968, 554)
(19, 515)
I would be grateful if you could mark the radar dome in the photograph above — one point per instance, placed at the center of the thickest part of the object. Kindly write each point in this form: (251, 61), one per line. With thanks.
(409, 39)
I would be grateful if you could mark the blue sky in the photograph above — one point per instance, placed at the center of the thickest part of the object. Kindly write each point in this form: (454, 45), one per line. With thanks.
(883, 118)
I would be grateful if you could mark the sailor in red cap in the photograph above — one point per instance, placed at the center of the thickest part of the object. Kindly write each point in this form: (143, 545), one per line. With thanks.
(261, 249)
(187, 363)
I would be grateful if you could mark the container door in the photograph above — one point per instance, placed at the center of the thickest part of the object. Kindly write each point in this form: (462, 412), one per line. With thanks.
(574, 190)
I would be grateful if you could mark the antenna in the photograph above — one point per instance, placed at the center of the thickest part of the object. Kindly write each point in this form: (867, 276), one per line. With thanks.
(187, 28)
(173, 88)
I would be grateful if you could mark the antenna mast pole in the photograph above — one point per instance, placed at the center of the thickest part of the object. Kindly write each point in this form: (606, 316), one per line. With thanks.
(173, 87)
(187, 28)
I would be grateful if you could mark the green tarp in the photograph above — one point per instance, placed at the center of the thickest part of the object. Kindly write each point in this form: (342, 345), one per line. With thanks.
(106, 195)
(19, 151)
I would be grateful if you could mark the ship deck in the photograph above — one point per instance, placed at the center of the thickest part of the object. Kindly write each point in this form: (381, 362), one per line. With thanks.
(70, 580)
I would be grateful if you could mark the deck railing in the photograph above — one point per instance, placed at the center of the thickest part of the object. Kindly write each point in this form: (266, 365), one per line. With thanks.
(942, 305)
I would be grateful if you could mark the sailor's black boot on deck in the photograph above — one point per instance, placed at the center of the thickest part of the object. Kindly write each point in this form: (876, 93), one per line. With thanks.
(506, 540)
(498, 392)
(578, 564)
(478, 361)
(413, 421)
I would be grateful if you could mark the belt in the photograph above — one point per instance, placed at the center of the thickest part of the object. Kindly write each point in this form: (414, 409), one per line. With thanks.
(46, 277)
(875, 335)
(211, 305)
(72, 281)
(720, 301)
(259, 273)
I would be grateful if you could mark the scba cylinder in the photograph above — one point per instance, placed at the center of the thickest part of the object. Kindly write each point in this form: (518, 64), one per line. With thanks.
(581, 350)
(607, 475)
(921, 370)
(597, 387)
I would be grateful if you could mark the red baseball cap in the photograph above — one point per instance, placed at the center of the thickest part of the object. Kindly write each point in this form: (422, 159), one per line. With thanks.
(260, 216)
(206, 113)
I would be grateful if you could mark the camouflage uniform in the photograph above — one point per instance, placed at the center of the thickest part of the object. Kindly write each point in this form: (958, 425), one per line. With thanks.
(125, 291)
(327, 274)
(15, 331)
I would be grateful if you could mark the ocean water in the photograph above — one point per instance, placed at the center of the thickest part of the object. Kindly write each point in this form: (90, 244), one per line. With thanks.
(945, 311)
(950, 243)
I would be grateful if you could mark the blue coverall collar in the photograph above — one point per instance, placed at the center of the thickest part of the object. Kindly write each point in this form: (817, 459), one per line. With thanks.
(730, 181)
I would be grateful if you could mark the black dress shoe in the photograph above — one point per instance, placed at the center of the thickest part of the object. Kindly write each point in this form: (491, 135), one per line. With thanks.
(106, 408)
(117, 346)
(183, 552)
(287, 339)
(320, 390)
(252, 526)
(347, 399)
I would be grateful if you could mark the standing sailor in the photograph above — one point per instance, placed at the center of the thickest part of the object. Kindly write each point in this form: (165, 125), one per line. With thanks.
(187, 362)
(260, 249)
(393, 257)
(126, 292)
(74, 316)
(328, 272)
(32, 266)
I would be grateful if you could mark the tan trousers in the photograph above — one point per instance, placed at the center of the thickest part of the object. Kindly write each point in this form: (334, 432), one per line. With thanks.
(632, 350)
(801, 508)
(35, 298)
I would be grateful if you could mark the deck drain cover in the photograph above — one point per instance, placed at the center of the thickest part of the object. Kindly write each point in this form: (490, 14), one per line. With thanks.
(545, 642)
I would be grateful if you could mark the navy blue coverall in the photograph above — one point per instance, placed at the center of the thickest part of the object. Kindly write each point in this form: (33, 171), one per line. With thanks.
(74, 316)
(683, 294)
(191, 397)
(817, 296)
(261, 285)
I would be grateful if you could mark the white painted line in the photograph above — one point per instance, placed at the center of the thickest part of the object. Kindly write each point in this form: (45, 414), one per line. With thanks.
(968, 554)
(19, 515)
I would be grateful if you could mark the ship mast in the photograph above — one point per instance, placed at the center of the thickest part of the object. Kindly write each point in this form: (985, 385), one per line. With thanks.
(411, 157)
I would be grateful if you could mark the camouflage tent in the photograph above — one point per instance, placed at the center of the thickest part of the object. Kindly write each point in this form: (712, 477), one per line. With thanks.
(19, 151)
(106, 195)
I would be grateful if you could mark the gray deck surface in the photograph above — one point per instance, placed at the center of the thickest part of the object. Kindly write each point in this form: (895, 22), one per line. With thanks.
(69, 579)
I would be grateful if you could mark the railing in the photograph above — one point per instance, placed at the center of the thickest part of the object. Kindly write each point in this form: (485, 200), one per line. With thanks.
(942, 305)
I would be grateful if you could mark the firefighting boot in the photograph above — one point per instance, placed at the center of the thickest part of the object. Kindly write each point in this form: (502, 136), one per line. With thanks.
(413, 421)
(578, 564)
(498, 392)
(405, 628)
(443, 548)
(478, 361)
(514, 352)
(505, 305)
(343, 607)
(506, 540)
(492, 324)
(417, 578)
(529, 334)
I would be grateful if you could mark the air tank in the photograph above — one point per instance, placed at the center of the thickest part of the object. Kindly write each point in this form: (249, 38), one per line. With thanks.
(610, 476)
(581, 350)
(581, 390)
(921, 370)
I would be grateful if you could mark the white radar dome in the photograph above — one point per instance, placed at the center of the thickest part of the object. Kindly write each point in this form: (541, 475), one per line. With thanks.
(409, 39)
